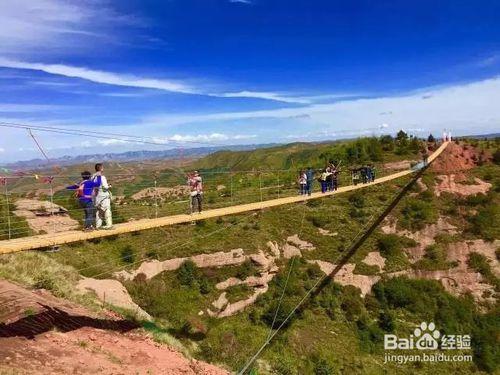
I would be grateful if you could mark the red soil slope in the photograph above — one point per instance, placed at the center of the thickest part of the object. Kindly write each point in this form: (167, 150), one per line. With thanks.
(41, 334)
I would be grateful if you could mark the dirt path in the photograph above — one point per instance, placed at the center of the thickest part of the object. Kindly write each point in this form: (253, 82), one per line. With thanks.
(41, 334)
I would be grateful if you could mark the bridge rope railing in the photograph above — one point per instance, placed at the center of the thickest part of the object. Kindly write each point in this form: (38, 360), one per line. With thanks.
(221, 189)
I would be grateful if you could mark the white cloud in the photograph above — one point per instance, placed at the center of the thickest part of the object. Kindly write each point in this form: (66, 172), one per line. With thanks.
(241, 1)
(213, 137)
(2, 150)
(129, 80)
(98, 76)
(489, 61)
(86, 144)
(265, 95)
(109, 142)
(26, 108)
(123, 94)
(31, 27)
(463, 106)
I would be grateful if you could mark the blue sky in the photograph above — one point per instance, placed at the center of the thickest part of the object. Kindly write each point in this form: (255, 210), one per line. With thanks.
(244, 71)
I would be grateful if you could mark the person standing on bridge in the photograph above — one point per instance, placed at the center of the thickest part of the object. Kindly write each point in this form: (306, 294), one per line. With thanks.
(302, 183)
(102, 199)
(195, 184)
(335, 177)
(323, 180)
(310, 180)
(84, 192)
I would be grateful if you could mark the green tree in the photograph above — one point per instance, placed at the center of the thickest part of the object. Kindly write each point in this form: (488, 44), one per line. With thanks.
(401, 137)
(496, 156)
(387, 142)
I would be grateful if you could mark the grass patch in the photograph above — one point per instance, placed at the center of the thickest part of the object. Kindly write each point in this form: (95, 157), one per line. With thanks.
(366, 269)
(434, 259)
(238, 292)
(36, 270)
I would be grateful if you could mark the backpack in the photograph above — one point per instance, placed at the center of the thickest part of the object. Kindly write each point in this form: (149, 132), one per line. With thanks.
(80, 192)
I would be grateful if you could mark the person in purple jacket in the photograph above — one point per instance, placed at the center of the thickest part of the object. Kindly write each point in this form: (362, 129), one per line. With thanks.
(84, 193)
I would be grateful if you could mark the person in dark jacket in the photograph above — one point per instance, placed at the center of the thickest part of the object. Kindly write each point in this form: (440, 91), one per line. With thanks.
(372, 173)
(335, 178)
(310, 180)
(84, 192)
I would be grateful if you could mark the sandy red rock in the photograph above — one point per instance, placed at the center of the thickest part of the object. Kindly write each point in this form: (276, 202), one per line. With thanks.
(41, 334)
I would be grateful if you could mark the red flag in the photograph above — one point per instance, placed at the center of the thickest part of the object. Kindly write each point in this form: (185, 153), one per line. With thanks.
(3, 181)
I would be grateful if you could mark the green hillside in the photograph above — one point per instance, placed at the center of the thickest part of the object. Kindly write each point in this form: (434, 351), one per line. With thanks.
(302, 155)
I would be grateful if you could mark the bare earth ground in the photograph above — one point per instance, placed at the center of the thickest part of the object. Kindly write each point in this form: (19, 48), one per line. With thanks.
(162, 192)
(399, 165)
(457, 158)
(41, 334)
(59, 222)
(448, 184)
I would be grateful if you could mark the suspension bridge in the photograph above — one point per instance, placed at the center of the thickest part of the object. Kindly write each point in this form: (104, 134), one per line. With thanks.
(56, 239)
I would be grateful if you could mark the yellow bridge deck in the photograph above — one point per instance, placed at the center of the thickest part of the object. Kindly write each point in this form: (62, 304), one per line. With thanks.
(54, 239)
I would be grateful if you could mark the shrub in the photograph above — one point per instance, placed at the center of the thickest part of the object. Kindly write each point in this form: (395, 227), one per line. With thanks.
(390, 245)
(485, 223)
(357, 200)
(370, 335)
(187, 273)
(44, 281)
(329, 298)
(496, 156)
(477, 199)
(356, 213)
(318, 221)
(284, 366)
(352, 303)
(434, 259)
(479, 263)
(434, 253)
(287, 304)
(386, 321)
(416, 213)
(428, 300)
(246, 269)
(127, 254)
(366, 269)
(205, 286)
(313, 203)
(426, 195)
(322, 367)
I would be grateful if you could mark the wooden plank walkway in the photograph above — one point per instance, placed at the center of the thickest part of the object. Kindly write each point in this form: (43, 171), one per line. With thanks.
(54, 239)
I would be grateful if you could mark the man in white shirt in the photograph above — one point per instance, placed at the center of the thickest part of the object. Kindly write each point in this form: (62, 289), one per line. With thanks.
(102, 200)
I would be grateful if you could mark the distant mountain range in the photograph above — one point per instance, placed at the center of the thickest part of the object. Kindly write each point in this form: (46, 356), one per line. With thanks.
(130, 156)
